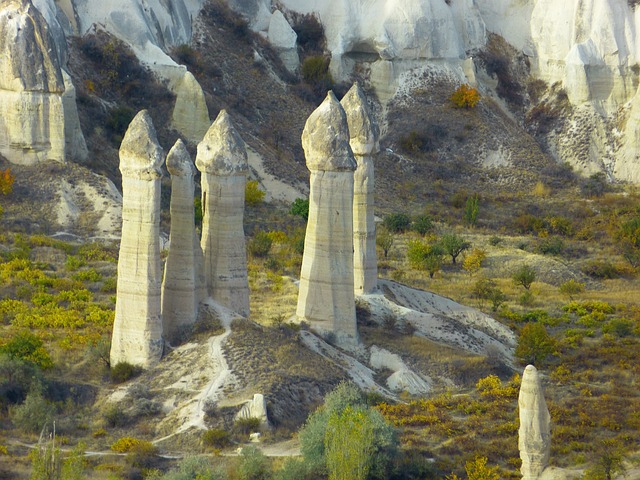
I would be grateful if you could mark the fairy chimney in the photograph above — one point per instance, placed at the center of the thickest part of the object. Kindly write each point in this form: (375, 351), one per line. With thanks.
(363, 133)
(326, 299)
(222, 159)
(137, 329)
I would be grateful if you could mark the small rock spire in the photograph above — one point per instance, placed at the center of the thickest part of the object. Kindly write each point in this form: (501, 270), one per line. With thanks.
(364, 134)
(534, 435)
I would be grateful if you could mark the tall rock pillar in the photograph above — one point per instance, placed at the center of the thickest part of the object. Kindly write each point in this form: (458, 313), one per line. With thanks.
(137, 330)
(222, 159)
(363, 133)
(179, 292)
(534, 436)
(326, 299)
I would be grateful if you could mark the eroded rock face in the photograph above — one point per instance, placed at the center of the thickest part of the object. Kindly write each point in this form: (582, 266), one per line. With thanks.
(326, 299)
(255, 408)
(283, 39)
(222, 160)
(190, 114)
(137, 329)
(31, 87)
(363, 133)
(179, 291)
(534, 435)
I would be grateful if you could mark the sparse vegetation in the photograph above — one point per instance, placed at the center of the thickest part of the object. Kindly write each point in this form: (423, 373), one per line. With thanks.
(465, 97)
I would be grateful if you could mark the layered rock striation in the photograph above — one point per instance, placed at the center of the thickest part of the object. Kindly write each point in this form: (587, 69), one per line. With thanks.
(137, 329)
(326, 297)
(179, 287)
(31, 87)
(534, 435)
(222, 160)
(364, 133)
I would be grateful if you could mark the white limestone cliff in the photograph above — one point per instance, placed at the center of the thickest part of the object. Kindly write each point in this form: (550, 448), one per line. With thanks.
(326, 298)
(179, 286)
(75, 144)
(364, 133)
(31, 87)
(190, 113)
(222, 160)
(534, 435)
(137, 329)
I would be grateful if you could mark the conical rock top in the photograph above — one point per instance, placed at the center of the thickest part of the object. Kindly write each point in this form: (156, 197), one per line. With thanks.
(534, 436)
(140, 153)
(363, 129)
(222, 151)
(179, 161)
(325, 138)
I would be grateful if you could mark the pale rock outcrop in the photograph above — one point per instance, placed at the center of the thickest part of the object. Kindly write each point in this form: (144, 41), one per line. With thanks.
(534, 435)
(255, 408)
(402, 378)
(364, 133)
(190, 113)
(283, 39)
(31, 87)
(75, 145)
(179, 291)
(222, 160)
(137, 329)
(326, 299)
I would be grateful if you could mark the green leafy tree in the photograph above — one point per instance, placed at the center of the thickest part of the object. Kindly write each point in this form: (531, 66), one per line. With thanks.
(525, 275)
(28, 347)
(423, 255)
(471, 209)
(609, 461)
(397, 222)
(254, 465)
(384, 240)
(34, 413)
(534, 344)
(454, 245)
(253, 195)
(571, 288)
(422, 224)
(349, 444)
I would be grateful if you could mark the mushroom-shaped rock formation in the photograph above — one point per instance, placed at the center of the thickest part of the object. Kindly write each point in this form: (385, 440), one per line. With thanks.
(364, 142)
(179, 287)
(31, 87)
(326, 299)
(190, 114)
(534, 436)
(222, 160)
(137, 329)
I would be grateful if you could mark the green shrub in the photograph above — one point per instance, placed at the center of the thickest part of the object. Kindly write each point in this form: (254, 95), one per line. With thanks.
(315, 72)
(89, 275)
(253, 195)
(245, 426)
(216, 438)
(600, 269)
(412, 143)
(571, 288)
(16, 377)
(34, 413)
(254, 465)
(191, 468)
(550, 246)
(453, 245)
(260, 244)
(471, 209)
(73, 263)
(397, 222)
(300, 207)
(27, 347)
(123, 371)
(534, 344)
(118, 120)
(114, 416)
(620, 327)
(422, 224)
(425, 256)
(525, 275)
(293, 469)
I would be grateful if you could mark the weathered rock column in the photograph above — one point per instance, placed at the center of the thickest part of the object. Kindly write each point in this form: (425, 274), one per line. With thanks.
(326, 299)
(179, 295)
(137, 330)
(534, 436)
(363, 133)
(222, 159)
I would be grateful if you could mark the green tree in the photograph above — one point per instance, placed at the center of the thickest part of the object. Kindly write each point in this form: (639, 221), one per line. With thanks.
(253, 195)
(397, 222)
(28, 347)
(471, 209)
(609, 461)
(477, 469)
(534, 344)
(254, 464)
(571, 288)
(454, 245)
(34, 413)
(384, 240)
(422, 224)
(423, 255)
(525, 275)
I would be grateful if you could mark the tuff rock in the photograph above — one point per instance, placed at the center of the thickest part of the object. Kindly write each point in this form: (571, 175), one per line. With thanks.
(326, 298)
(137, 329)
(534, 435)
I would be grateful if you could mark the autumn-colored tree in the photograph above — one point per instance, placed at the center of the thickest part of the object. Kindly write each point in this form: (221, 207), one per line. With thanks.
(6, 183)
(465, 97)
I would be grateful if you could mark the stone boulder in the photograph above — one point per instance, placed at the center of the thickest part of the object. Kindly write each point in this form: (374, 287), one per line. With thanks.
(255, 408)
